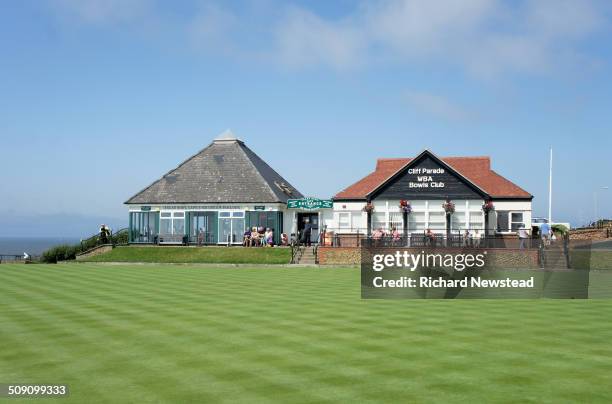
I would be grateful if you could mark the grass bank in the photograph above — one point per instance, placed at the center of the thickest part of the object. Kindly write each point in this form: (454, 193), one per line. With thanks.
(155, 333)
(215, 255)
(591, 259)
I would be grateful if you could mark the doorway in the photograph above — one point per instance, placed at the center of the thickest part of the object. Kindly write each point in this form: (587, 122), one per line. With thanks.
(313, 219)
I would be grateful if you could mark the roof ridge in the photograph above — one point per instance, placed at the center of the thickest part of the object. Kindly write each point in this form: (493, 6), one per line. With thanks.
(168, 173)
(243, 146)
(355, 183)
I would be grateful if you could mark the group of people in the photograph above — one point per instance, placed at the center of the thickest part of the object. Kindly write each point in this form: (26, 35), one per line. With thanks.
(471, 238)
(379, 234)
(261, 237)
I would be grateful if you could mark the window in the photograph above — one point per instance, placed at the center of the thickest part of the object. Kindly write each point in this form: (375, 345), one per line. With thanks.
(143, 227)
(172, 223)
(202, 227)
(344, 220)
(379, 220)
(437, 221)
(476, 221)
(416, 221)
(509, 221)
(396, 220)
(516, 220)
(502, 221)
(231, 227)
(458, 221)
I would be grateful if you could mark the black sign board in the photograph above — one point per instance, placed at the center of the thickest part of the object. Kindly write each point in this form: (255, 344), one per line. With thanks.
(427, 178)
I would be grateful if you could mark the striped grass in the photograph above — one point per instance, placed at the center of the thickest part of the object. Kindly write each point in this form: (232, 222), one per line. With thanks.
(163, 333)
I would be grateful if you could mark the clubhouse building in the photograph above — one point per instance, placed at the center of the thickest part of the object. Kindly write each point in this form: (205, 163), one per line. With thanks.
(442, 194)
(216, 195)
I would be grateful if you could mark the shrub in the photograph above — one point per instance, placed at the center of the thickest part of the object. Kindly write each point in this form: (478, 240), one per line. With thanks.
(89, 243)
(559, 228)
(58, 253)
(120, 238)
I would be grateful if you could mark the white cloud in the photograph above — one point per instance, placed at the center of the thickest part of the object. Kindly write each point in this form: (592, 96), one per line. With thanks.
(437, 106)
(483, 36)
(305, 39)
(212, 27)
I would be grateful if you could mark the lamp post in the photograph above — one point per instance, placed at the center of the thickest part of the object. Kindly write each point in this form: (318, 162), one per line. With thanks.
(595, 198)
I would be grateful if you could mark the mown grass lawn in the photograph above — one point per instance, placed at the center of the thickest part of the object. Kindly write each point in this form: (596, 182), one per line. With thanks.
(216, 255)
(163, 333)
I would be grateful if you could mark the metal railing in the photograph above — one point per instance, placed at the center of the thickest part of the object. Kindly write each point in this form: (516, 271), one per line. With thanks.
(473, 238)
(117, 238)
(297, 249)
(17, 258)
(204, 238)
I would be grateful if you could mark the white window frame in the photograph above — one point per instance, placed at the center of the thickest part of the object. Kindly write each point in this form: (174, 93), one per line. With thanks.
(174, 215)
(510, 222)
(510, 231)
(350, 221)
(232, 214)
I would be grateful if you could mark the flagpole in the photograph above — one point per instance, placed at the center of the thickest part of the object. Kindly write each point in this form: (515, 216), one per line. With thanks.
(550, 188)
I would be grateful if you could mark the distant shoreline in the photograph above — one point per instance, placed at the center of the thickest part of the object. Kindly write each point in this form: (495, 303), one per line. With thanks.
(34, 245)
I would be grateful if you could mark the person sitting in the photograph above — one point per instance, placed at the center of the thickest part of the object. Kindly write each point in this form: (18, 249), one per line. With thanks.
(395, 235)
(265, 237)
(269, 237)
(284, 239)
(377, 235)
(430, 237)
(262, 236)
(255, 237)
(246, 238)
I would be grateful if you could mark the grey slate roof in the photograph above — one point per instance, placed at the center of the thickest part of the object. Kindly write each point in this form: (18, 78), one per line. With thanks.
(225, 171)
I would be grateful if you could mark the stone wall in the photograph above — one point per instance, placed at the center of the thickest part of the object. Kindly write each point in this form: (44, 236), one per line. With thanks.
(505, 258)
(339, 255)
(590, 234)
(94, 251)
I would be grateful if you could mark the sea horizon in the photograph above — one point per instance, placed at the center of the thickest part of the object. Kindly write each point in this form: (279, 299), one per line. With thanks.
(33, 245)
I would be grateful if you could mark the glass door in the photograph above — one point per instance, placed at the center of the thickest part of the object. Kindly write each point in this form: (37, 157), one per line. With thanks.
(201, 229)
(237, 227)
(231, 227)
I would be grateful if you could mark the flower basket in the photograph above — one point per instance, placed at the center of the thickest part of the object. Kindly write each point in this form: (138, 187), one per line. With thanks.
(449, 207)
(369, 208)
(405, 206)
(488, 206)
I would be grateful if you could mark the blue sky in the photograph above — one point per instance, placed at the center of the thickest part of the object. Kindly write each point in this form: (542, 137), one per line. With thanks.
(100, 98)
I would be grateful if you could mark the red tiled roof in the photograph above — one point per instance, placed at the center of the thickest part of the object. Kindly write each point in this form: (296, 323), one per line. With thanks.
(475, 169)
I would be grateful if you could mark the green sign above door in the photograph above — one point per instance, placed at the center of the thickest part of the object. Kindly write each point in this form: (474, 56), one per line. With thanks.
(310, 203)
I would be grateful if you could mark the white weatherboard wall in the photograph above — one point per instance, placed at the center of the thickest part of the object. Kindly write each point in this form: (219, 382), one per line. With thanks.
(347, 217)
(523, 207)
